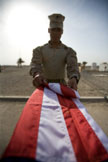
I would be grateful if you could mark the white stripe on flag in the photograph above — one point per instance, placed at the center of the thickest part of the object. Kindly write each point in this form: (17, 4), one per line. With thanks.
(53, 140)
(55, 87)
(98, 131)
(77, 94)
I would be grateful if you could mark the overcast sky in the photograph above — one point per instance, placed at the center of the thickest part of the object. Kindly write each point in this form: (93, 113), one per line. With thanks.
(24, 26)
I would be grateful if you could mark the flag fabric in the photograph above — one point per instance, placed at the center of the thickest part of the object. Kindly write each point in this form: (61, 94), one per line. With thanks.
(56, 127)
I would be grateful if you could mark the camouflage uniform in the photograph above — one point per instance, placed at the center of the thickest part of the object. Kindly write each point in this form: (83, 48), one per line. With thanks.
(51, 62)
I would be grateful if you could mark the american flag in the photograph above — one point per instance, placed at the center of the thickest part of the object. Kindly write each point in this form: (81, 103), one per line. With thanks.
(56, 127)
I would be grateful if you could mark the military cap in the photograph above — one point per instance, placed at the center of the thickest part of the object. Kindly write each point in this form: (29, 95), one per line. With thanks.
(56, 21)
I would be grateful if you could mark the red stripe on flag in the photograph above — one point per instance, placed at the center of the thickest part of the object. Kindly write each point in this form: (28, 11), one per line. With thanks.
(24, 139)
(92, 144)
(86, 144)
(68, 92)
(72, 130)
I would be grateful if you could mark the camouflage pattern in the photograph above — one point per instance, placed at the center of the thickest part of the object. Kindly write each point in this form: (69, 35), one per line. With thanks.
(52, 62)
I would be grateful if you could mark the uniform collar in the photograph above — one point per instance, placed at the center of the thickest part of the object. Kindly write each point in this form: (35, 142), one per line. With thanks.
(59, 46)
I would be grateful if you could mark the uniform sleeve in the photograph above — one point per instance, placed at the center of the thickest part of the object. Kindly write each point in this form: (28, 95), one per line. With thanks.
(36, 62)
(72, 65)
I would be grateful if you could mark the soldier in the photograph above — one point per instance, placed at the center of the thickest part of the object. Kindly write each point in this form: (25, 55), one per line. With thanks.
(49, 61)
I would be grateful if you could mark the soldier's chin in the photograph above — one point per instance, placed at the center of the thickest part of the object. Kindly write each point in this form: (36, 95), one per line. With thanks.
(56, 39)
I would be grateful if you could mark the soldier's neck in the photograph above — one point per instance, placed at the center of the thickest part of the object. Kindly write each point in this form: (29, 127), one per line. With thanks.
(55, 44)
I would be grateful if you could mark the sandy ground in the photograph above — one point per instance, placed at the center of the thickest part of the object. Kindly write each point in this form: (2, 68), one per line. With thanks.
(16, 81)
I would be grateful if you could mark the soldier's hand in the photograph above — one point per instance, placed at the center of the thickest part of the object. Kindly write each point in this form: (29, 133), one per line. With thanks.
(72, 83)
(38, 80)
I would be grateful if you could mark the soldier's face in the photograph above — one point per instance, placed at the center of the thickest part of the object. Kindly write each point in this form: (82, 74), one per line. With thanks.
(55, 34)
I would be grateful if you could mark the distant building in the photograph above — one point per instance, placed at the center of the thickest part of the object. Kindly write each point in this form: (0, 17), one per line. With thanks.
(94, 66)
(103, 66)
(88, 68)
